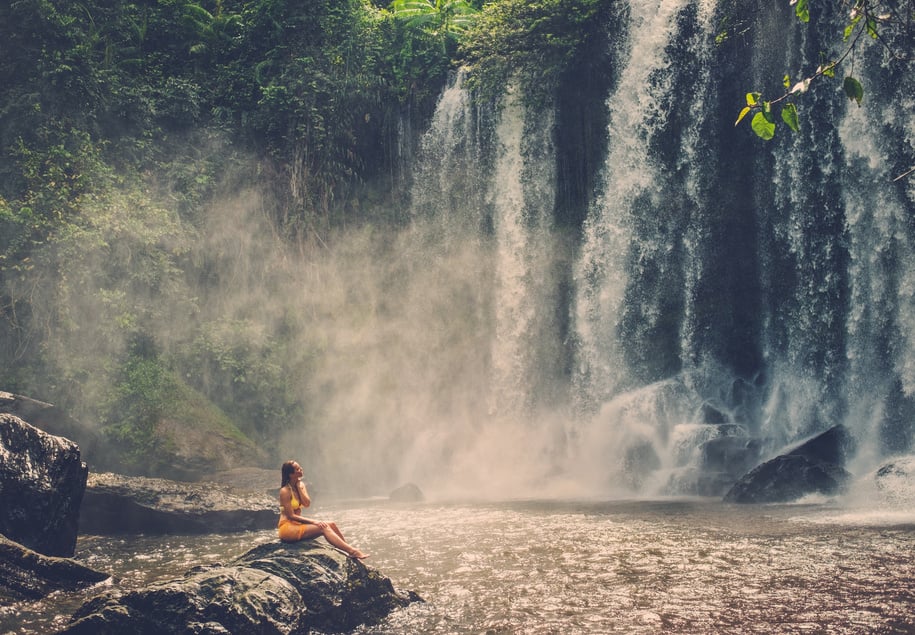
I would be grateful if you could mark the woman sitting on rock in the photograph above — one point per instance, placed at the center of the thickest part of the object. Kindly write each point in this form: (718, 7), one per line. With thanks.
(293, 526)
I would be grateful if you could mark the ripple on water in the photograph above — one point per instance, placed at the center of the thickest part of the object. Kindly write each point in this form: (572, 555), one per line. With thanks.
(546, 567)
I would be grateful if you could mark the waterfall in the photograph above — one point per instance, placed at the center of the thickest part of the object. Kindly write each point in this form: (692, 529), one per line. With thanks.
(726, 297)
(523, 194)
(877, 140)
(644, 256)
(632, 279)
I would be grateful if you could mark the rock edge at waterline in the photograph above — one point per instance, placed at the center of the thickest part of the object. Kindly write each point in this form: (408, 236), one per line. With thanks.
(29, 575)
(273, 588)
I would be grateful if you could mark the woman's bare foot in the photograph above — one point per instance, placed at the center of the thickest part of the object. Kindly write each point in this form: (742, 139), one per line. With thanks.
(355, 554)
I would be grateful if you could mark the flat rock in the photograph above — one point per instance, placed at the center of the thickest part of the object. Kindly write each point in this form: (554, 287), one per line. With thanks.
(117, 504)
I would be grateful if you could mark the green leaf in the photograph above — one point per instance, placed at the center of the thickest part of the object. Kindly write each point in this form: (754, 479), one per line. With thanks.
(786, 82)
(753, 99)
(828, 69)
(743, 113)
(761, 125)
(789, 116)
(872, 28)
(801, 11)
(853, 89)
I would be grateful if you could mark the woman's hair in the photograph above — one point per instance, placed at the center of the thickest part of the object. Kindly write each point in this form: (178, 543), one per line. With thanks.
(287, 470)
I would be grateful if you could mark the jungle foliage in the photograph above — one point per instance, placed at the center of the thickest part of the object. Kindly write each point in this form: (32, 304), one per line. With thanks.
(122, 120)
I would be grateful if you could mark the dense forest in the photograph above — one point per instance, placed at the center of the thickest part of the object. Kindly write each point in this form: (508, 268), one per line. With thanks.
(123, 125)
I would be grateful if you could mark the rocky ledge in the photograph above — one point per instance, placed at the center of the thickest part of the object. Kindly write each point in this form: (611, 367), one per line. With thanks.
(273, 588)
(28, 575)
(116, 504)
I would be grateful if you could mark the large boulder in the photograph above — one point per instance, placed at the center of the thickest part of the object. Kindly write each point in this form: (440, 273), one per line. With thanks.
(787, 478)
(407, 493)
(117, 504)
(27, 575)
(51, 419)
(42, 480)
(836, 446)
(273, 588)
(814, 467)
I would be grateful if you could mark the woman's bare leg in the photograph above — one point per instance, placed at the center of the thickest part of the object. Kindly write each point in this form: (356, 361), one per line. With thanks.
(337, 541)
(337, 530)
(334, 538)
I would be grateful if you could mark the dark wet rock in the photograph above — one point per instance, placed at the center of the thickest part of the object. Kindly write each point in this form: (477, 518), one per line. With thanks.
(787, 478)
(814, 467)
(835, 445)
(117, 504)
(409, 493)
(273, 588)
(42, 480)
(28, 575)
(53, 420)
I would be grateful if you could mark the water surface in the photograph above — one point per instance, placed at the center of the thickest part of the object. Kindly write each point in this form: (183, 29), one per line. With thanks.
(672, 566)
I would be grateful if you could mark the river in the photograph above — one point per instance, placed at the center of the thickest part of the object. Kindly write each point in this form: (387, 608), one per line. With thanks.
(539, 566)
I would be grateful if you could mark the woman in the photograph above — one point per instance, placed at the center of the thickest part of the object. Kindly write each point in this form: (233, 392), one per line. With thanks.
(293, 526)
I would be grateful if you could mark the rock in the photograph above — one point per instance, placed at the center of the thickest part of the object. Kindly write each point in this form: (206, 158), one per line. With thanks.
(835, 445)
(814, 467)
(273, 588)
(28, 575)
(42, 480)
(193, 449)
(787, 478)
(895, 482)
(409, 493)
(52, 420)
(116, 504)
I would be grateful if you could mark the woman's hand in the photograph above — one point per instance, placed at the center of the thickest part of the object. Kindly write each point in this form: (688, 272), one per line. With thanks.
(317, 523)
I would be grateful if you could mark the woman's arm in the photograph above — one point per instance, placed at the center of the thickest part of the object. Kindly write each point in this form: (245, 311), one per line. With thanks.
(286, 504)
(304, 498)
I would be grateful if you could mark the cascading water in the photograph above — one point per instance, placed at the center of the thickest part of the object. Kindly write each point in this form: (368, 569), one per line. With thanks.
(523, 188)
(725, 301)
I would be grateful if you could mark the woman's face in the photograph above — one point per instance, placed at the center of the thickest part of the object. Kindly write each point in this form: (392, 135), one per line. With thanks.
(297, 470)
